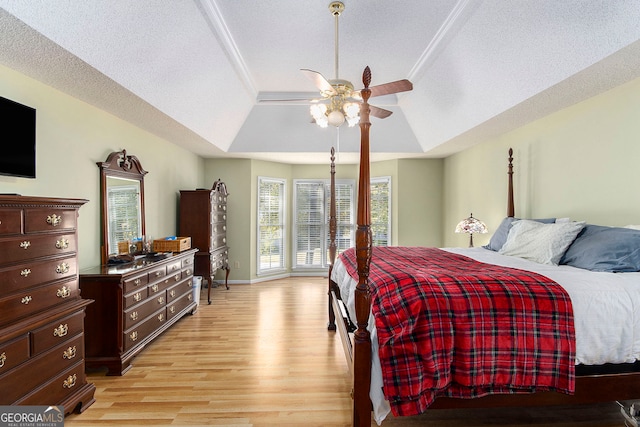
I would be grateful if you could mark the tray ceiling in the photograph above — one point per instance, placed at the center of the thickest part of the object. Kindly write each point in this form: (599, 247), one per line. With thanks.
(195, 72)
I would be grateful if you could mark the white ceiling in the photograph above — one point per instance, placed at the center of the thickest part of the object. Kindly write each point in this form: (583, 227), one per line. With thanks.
(193, 71)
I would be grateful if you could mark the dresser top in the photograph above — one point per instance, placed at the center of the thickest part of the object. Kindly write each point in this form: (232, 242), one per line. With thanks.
(136, 266)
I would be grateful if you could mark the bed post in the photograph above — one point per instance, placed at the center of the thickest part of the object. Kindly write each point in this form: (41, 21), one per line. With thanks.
(362, 338)
(332, 236)
(510, 205)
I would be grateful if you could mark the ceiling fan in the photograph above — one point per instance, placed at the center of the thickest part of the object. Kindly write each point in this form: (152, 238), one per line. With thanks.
(339, 101)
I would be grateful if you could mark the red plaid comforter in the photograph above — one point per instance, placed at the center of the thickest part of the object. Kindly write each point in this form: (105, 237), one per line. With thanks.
(451, 326)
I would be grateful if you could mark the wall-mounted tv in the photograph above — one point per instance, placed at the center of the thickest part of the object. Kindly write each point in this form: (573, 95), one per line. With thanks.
(17, 139)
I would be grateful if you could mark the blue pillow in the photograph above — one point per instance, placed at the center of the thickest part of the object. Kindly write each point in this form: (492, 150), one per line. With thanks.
(500, 235)
(599, 248)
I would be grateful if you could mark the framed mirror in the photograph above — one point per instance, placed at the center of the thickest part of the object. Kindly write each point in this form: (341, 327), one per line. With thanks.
(122, 202)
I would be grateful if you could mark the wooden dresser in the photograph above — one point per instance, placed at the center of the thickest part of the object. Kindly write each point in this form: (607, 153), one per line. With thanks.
(133, 304)
(41, 312)
(203, 216)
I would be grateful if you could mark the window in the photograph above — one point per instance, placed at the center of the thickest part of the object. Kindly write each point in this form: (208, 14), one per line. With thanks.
(311, 227)
(381, 211)
(271, 223)
(123, 202)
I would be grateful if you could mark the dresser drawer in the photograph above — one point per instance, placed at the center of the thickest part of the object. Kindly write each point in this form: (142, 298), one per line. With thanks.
(136, 297)
(218, 228)
(28, 247)
(157, 273)
(56, 389)
(46, 365)
(10, 221)
(13, 353)
(135, 283)
(178, 305)
(218, 216)
(33, 273)
(174, 267)
(218, 241)
(23, 304)
(187, 262)
(139, 333)
(56, 332)
(186, 273)
(137, 314)
(47, 220)
(219, 259)
(175, 277)
(179, 290)
(157, 289)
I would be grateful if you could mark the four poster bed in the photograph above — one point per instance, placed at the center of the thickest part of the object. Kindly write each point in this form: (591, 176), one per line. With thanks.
(502, 325)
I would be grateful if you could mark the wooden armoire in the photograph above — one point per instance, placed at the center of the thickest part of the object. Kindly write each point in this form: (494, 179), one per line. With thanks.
(203, 217)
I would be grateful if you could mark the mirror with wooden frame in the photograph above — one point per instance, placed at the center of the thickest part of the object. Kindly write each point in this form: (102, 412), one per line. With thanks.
(122, 202)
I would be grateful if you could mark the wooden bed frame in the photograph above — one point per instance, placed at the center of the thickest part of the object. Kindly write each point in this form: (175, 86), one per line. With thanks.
(593, 383)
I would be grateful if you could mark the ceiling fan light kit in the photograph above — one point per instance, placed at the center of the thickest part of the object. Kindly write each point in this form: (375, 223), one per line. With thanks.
(339, 102)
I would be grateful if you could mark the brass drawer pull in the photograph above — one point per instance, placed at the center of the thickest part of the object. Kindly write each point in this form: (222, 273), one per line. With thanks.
(26, 300)
(134, 315)
(188, 271)
(190, 297)
(61, 330)
(161, 317)
(174, 268)
(54, 220)
(62, 243)
(25, 272)
(161, 300)
(63, 292)
(187, 262)
(25, 244)
(158, 274)
(154, 288)
(69, 353)
(172, 309)
(172, 293)
(70, 382)
(177, 277)
(133, 336)
(62, 268)
(3, 358)
(136, 282)
(137, 297)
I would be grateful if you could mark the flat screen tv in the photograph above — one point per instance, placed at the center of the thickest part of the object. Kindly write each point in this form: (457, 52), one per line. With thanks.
(17, 139)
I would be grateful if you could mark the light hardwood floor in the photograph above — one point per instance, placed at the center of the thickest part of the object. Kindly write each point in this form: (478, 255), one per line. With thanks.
(260, 355)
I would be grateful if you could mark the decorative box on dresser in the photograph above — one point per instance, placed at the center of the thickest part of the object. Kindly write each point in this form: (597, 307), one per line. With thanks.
(41, 311)
(133, 304)
(203, 216)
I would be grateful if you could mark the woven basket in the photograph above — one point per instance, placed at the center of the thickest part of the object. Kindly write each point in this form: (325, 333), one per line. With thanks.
(178, 245)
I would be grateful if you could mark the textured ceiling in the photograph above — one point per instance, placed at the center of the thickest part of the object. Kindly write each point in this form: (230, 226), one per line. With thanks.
(195, 71)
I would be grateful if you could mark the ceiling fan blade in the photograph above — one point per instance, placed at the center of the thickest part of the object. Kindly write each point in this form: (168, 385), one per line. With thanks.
(301, 100)
(320, 82)
(378, 112)
(391, 87)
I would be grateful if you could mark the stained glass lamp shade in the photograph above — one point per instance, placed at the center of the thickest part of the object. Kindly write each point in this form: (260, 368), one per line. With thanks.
(472, 226)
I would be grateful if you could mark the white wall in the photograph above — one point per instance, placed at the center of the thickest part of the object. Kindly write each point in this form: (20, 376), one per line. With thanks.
(71, 136)
(581, 162)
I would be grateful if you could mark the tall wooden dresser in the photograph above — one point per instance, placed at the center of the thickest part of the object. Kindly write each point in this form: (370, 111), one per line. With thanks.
(133, 304)
(203, 217)
(41, 311)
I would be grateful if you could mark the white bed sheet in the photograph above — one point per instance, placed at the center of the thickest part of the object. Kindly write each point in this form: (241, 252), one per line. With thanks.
(606, 309)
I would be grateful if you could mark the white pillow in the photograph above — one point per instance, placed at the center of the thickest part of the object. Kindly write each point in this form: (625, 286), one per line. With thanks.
(539, 242)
